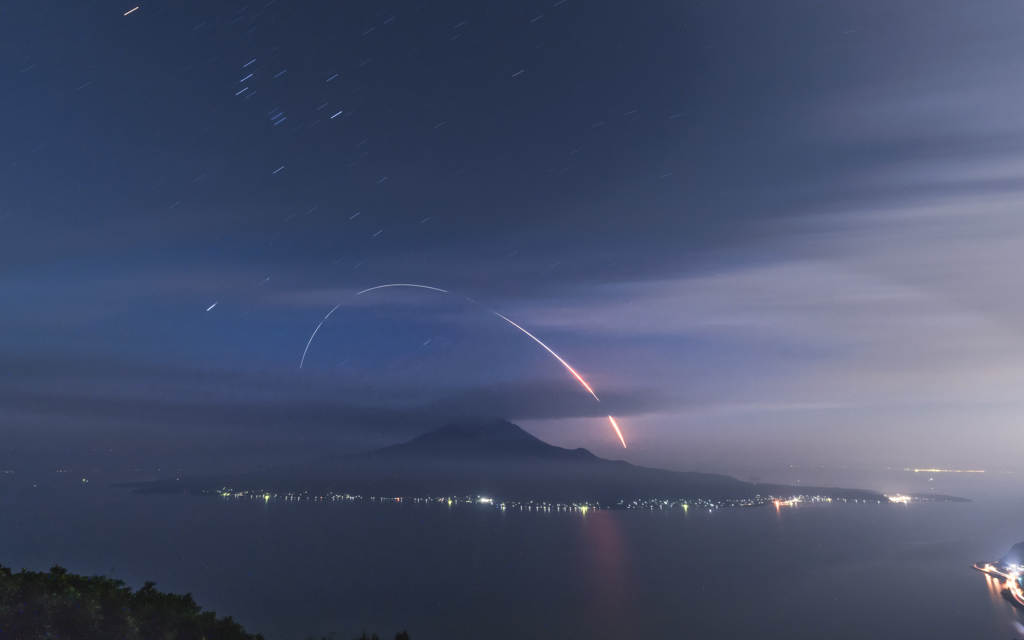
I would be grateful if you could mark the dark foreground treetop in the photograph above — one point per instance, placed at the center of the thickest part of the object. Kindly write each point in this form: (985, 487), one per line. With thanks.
(59, 604)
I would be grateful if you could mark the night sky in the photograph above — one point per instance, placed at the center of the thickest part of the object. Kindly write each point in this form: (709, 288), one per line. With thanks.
(767, 233)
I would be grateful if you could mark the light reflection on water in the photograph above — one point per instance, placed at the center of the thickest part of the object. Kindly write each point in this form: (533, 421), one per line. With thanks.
(608, 569)
(289, 570)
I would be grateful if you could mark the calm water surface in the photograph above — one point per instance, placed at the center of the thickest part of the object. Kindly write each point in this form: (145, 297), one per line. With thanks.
(289, 570)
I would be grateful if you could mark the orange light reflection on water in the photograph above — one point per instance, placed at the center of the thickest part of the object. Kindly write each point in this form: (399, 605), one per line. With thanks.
(608, 565)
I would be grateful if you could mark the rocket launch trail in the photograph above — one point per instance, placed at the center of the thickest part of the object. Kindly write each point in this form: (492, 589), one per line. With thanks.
(565, 364)
(417, 286)
(615, 425)
(383, 286)
(303, 361)
(586, 386)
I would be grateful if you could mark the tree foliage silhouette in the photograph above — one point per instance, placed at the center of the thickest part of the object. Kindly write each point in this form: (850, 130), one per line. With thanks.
(59, 604)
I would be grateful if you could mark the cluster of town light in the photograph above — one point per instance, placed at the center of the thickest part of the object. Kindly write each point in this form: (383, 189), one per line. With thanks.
(699, 503)
(449, 500)
(1013, 574)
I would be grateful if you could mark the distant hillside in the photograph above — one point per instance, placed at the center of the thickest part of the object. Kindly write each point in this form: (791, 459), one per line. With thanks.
(497, 440)
(499, 460)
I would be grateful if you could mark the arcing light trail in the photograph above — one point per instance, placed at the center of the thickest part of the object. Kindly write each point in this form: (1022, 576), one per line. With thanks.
(565, 364)
(383, 286)
(615, 426)
(303, 361)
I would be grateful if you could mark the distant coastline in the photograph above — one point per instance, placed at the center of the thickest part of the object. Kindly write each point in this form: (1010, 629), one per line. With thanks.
(1009, 571)
(498, 463)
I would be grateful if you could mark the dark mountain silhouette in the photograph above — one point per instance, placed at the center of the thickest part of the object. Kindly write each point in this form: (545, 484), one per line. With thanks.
(476, 441)
(496, 459)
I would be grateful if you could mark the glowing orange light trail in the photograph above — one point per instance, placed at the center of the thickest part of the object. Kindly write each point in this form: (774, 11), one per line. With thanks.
(619, 433)
(565, 364)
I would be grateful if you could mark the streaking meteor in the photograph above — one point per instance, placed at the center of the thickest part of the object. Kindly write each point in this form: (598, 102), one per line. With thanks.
(565, 364)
